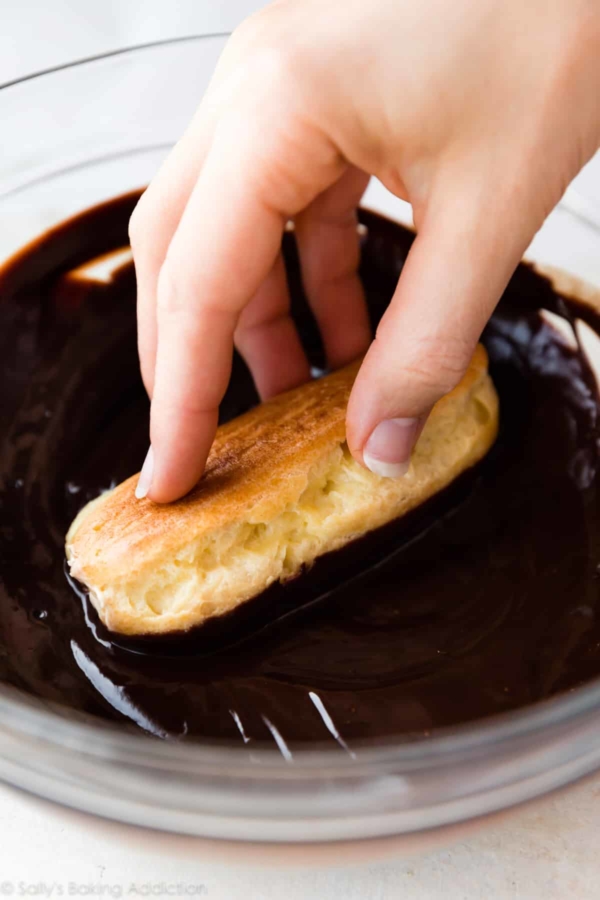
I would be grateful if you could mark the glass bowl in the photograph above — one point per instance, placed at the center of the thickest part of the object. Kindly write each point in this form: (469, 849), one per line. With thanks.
(85, 132)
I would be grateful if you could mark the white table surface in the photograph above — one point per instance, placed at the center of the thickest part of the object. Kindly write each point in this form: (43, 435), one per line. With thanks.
(546, 851)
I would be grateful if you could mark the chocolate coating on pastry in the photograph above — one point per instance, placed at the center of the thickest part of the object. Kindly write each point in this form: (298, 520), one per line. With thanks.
(484, 600)
(280, 489)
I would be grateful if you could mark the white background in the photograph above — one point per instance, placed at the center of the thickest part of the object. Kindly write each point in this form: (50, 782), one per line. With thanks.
(547, 851)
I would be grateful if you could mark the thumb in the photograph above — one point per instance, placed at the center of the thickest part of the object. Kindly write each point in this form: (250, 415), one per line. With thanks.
(457, 269)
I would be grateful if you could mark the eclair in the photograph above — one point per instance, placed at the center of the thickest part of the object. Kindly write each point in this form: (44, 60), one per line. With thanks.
(280, 489)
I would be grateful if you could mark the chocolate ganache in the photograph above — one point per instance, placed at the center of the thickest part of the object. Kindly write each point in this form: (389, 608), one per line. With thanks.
(483, 601)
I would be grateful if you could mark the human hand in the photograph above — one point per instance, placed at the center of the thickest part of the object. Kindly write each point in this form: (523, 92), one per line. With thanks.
(478, 113)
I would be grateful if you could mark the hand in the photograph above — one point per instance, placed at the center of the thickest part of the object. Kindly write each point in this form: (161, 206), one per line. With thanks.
(479, 112)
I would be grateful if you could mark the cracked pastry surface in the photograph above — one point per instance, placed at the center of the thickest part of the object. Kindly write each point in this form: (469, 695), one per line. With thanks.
(280, 489)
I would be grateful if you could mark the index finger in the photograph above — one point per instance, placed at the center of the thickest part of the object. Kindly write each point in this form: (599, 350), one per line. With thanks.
(225, 245)
(261, 169)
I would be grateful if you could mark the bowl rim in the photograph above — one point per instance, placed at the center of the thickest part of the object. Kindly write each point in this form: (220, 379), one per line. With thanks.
(109, 54)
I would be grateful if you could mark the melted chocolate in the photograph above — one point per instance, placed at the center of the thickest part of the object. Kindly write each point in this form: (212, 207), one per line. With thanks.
(484, 600)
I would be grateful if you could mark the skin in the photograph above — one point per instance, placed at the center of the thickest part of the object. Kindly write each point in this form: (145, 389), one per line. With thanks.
(478, 113)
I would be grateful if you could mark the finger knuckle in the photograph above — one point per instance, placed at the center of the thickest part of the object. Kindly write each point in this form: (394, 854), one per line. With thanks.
(183, 408)
(267, 50)
(264, 28)
(436, 363)
(440, 366)
(136, 222)
(251, 31)
(276, 63)
(248, 326)
(187, 403)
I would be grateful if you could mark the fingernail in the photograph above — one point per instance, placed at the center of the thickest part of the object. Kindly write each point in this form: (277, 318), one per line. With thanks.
(145, 480)
(387, 452)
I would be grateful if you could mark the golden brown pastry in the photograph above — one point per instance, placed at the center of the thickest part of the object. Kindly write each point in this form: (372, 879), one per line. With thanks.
(280, 489)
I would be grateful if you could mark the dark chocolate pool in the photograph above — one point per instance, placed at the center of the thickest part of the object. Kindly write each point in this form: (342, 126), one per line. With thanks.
(484, 601)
